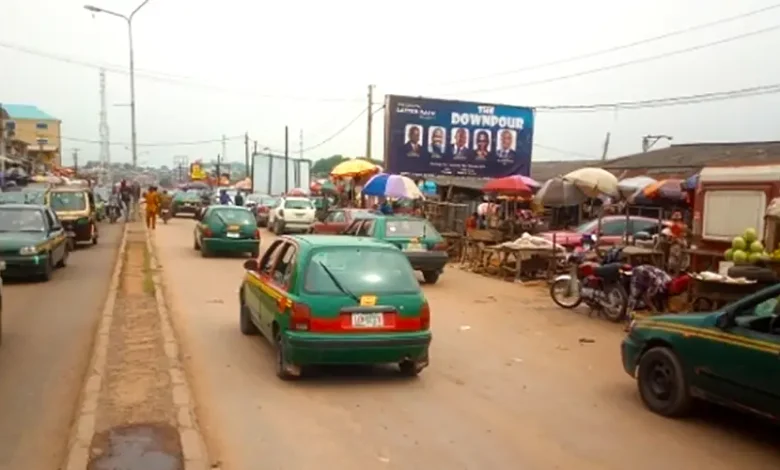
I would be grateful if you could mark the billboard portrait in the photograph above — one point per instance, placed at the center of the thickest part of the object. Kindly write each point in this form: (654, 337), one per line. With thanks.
(426, 136)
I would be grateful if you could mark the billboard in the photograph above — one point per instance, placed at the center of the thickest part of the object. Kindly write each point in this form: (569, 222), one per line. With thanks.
(268, 174)
(196, 171)
(425, 136)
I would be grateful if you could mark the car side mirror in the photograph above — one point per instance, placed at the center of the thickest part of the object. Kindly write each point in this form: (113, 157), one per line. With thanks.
(251, 265)
(724, 321)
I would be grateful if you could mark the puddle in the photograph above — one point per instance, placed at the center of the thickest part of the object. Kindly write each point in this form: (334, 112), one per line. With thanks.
(137, 447)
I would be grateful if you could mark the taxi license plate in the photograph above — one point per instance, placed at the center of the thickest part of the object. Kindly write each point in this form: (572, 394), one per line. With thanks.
(367, 320)
(414, 247)
(233, 235)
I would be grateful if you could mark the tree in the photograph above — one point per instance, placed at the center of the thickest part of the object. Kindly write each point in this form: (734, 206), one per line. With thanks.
(324, 166)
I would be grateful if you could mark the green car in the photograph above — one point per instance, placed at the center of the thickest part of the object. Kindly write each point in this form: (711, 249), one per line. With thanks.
(730, 357)
(227, 229)
(32, 241)
(334, 300)
(422, 244)
(186, 202)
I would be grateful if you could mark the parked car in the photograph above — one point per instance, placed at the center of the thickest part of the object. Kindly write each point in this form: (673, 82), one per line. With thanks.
(417, 238)
(729, 357)
(263, 208)
(613, 228)
(323, 299)
(227, 229)
(33, 242)
(291, 214)
(337, 220)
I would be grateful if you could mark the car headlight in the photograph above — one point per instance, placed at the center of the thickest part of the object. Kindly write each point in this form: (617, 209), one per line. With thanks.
(29, 250)
(631, 326)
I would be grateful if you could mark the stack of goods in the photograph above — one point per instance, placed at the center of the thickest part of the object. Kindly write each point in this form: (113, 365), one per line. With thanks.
(530, 242)
(747, 249)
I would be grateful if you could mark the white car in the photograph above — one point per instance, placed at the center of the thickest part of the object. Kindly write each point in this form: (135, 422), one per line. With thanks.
(291, 214)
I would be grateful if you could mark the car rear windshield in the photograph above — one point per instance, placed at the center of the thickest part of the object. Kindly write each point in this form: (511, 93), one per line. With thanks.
(269, 201)
(21, 220)
(68, 201)
(360, 270)
(407, 228)
(297, 204)
(234, 216)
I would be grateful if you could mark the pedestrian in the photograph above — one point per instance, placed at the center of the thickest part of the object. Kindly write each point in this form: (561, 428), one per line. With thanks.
(649, 286)
(126, 198)
(152, 198)
(224, 197)
(239, 200)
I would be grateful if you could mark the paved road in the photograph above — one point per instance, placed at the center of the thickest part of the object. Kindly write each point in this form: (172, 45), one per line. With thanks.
(509, 387)
(47, 338)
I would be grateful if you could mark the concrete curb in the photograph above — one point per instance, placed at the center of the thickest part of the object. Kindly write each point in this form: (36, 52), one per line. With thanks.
(84, 423)
(192, 440)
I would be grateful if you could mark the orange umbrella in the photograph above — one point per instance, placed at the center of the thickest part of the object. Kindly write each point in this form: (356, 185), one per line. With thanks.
(669, 189)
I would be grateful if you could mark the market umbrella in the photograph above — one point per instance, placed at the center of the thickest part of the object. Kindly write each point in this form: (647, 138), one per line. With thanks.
(297, 192)
(395, 186)
(667, 190)
(691, 183)
(559, 192)
(594, 181)
(508, 185)
(629, 186)
(353, 168)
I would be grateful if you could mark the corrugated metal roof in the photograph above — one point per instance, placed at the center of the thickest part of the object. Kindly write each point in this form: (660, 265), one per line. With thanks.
(26, 111)
(699, 155)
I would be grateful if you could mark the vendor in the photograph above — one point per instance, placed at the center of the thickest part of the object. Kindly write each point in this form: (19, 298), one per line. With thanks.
(472, 223)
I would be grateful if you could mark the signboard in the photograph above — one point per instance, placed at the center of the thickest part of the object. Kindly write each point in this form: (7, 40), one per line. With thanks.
(268, 174)
(425, 136)
(197, 173)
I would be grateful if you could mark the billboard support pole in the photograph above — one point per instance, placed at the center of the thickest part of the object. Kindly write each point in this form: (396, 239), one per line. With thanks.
(369, 122)
(286, 158)
(246, 154)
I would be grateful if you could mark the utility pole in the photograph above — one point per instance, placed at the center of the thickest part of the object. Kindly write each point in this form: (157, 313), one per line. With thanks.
(2, 141)
(103, 129)
(286, 158)
(246, 154)
(219, 174)
(370, 119)
(224, 147)
(649, 141)
(76, 161)
(606, 148)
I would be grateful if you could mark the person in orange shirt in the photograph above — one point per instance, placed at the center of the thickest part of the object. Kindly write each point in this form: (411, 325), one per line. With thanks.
(152, 199)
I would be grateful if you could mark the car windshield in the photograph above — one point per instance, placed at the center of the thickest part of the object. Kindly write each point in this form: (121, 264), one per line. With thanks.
(68, 201)
(234, 216)
(410, 228)
(297, 204)
(587, 227)
(360, 270)
(21, 197)
(21, 220)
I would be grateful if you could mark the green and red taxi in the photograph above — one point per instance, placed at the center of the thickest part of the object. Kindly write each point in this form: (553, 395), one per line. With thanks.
(419, 240)
(32, 241)
(335, 300)
(730, 357)
(226, 229)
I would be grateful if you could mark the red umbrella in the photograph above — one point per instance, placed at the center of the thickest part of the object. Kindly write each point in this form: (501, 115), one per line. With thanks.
(508, 185)
(297, 192)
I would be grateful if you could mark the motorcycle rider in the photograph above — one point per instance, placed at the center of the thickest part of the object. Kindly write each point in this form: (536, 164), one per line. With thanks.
(166, 201)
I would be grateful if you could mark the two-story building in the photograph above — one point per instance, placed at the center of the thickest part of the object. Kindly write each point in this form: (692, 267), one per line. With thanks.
(40, 132)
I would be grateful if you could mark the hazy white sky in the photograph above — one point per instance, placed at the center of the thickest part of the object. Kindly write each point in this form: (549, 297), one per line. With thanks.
(205, 69)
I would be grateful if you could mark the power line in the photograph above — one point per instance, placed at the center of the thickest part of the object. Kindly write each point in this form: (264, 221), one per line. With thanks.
(663, 102)
(167, 78)
(623, 64)
(609, 50)
(154, 144)
(569, 152)
(342, 129)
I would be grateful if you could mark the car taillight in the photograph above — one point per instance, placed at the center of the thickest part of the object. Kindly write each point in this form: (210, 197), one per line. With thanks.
(441, 246)
(262, 209)
(425, 316)
(257, 234)
(281, 212)
(207, 232)
(300, 316)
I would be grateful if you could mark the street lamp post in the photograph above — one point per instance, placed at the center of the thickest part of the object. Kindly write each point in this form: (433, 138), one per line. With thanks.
(129, 20)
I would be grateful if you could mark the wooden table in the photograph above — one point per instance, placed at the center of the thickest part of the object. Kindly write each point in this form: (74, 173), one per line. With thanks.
(637, 255)
(704, 260)
(507, 261)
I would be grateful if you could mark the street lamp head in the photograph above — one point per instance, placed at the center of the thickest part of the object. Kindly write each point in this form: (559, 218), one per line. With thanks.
(93, 9)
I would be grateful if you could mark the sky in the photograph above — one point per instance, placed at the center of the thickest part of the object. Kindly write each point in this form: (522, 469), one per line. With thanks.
(208, 69)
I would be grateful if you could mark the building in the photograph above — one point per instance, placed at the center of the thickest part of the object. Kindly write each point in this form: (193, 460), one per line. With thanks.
(35, 129)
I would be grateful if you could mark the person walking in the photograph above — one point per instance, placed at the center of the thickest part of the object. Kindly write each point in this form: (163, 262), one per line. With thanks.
(152, 199)
(239, 200)
(126, 198)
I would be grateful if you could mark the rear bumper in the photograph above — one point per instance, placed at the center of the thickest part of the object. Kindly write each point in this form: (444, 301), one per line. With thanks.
(182, 209)
(227, 245)
(297, 224)
(24, 266)
(314, 348)
(428, 260)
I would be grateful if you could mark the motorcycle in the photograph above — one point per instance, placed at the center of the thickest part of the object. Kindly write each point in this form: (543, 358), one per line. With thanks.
(114, 212)
(165, 214)
(603, 286)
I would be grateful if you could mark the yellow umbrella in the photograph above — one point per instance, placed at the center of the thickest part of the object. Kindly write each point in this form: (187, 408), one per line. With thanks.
(353, 168)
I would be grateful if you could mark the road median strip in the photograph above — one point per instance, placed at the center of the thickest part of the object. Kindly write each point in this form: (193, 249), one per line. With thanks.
(136, 408)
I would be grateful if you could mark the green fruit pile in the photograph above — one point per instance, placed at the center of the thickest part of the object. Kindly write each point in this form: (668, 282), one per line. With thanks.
(748, 249)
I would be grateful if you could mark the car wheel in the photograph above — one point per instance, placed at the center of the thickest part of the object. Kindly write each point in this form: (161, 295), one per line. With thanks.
(255, 253)
(64, 261)
(281, 359)
(204, 252)
(48, 270)
(245, 322)
(279, 227)
(662, 383)
(195, 245)
(409, 368)
(431, 276)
